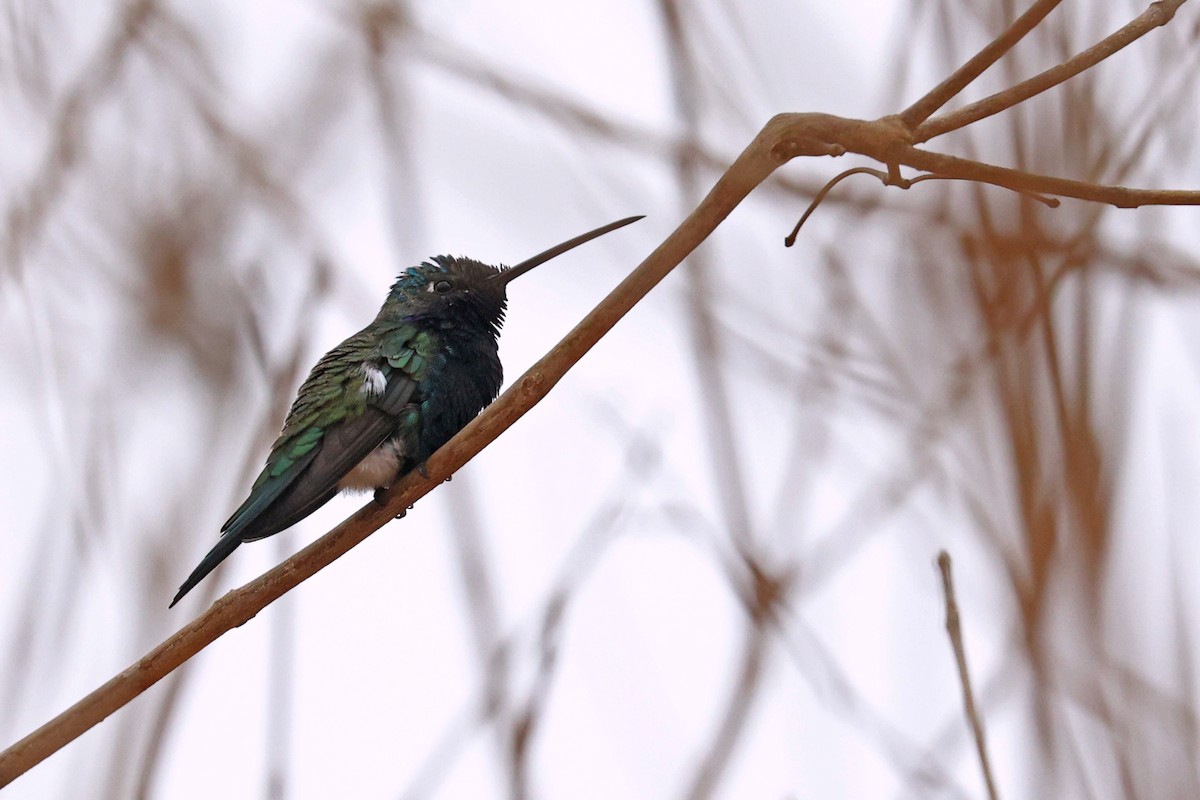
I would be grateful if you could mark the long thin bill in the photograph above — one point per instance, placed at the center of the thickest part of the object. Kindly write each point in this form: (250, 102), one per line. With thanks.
(518, 270)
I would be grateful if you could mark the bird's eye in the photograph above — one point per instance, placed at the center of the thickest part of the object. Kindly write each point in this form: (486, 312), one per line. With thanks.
(441, 287)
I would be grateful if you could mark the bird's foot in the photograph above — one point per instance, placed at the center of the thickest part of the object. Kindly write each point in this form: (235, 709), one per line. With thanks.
(424, 470)
(381, 500)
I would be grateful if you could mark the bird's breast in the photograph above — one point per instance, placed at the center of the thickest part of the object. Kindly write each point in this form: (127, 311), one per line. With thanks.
(466, 383)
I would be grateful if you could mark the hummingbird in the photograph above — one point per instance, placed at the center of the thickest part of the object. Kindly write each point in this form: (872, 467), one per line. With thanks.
(379, 404)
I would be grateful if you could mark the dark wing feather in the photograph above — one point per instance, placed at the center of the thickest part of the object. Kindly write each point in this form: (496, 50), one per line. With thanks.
(311, 481)
(407, 356)
(340, 449)
(325, 436)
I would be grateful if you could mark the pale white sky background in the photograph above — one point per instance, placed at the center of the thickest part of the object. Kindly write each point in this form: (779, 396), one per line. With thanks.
(385, 674)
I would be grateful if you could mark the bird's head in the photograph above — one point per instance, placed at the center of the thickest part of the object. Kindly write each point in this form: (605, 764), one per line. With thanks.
(446, 291)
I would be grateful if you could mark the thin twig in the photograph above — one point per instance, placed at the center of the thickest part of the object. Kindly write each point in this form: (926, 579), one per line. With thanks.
(892, 179)
(1029, 182)
(945, 91)
(790, 239)
(954, 629)
(1157, 15)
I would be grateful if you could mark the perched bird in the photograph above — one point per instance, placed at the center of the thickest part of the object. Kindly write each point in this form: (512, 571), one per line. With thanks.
(380, 403)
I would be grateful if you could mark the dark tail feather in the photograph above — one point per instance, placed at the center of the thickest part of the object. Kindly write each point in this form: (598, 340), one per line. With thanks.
(225, 545)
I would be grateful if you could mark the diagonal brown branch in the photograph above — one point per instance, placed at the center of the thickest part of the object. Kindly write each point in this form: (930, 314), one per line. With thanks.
(241, 605)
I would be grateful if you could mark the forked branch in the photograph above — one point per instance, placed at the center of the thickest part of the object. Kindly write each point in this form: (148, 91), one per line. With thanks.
(1157, 15)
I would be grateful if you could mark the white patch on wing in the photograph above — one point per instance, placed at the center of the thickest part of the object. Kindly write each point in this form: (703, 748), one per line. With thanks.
(377, 470)
(374, 381)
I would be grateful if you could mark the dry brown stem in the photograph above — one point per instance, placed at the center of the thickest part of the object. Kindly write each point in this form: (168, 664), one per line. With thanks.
(954, 631)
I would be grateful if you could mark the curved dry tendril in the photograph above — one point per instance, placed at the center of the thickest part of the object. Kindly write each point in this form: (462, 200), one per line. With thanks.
(894, 179)
(825, 190)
